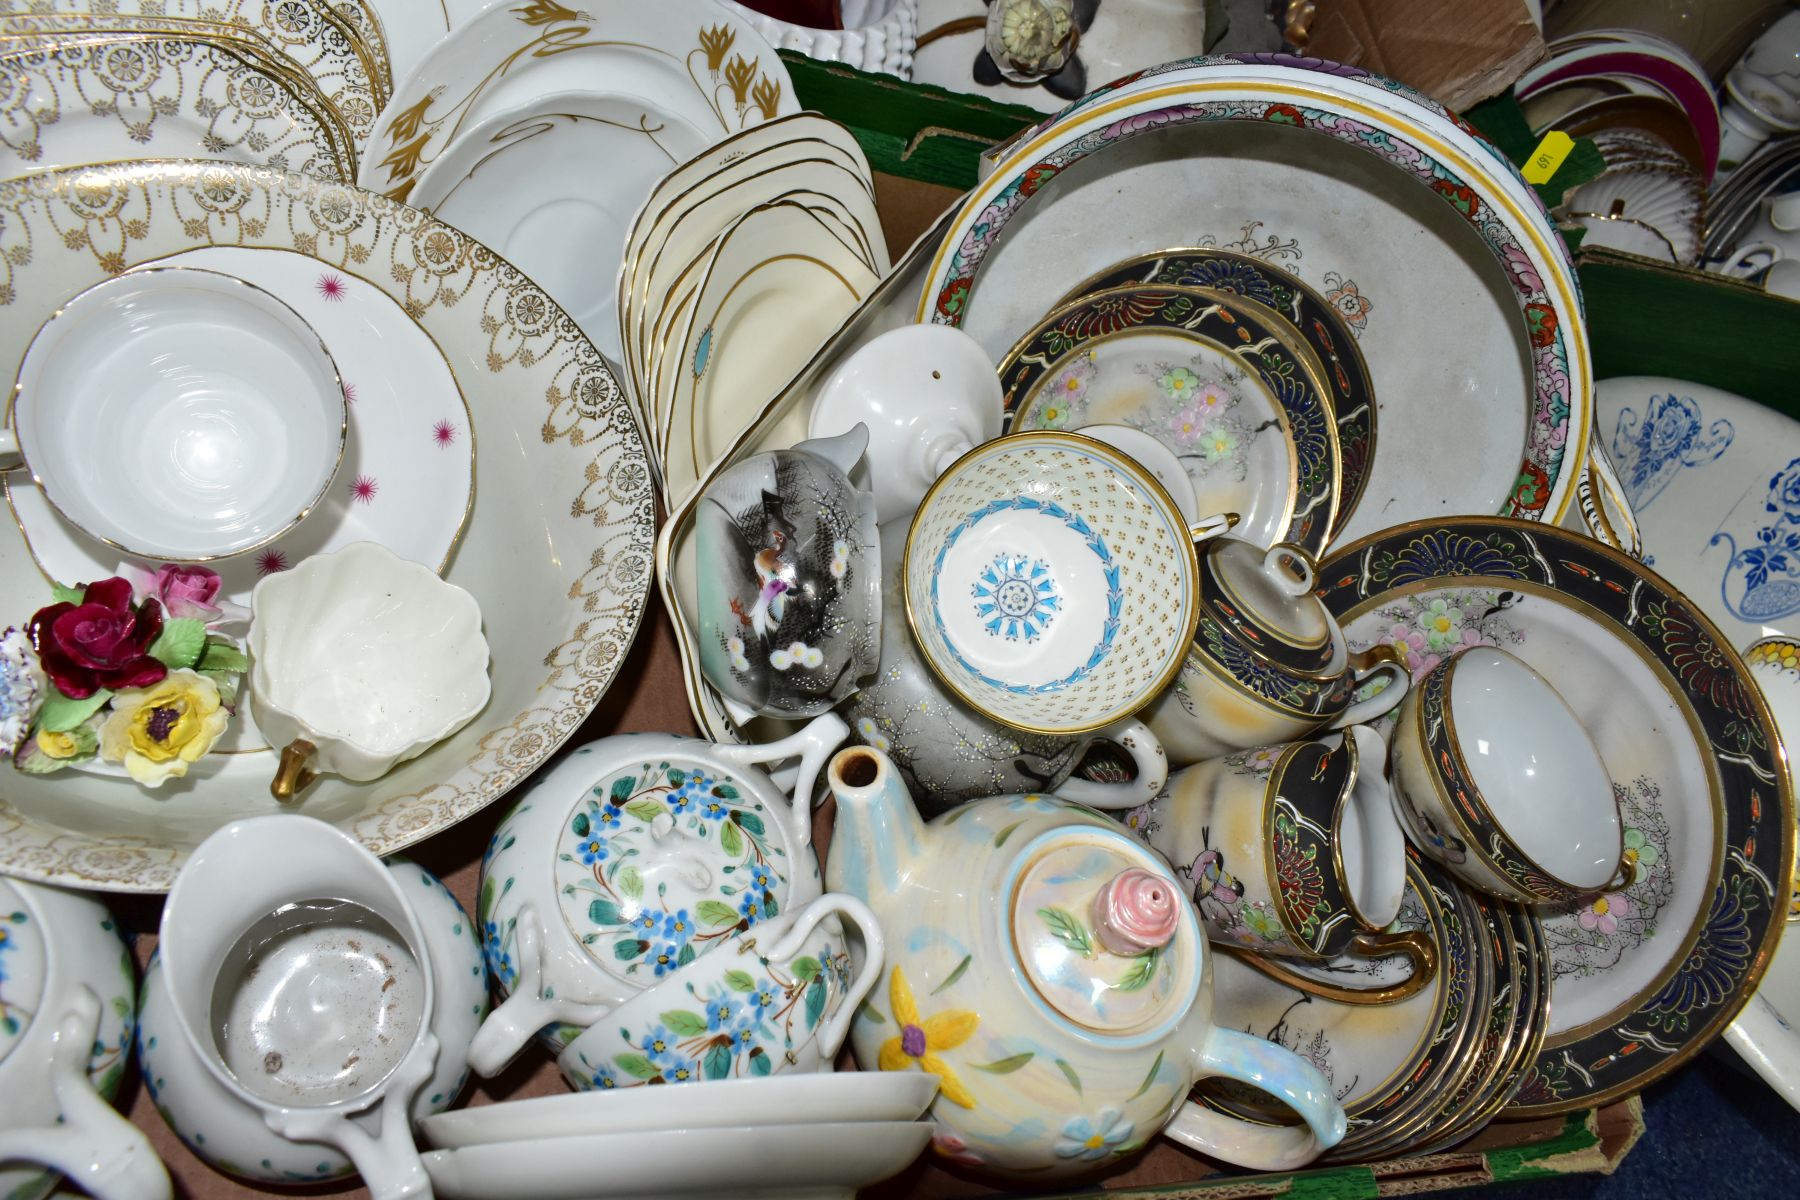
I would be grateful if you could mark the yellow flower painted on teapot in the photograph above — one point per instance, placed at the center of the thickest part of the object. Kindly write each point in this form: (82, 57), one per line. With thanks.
(920, 1040)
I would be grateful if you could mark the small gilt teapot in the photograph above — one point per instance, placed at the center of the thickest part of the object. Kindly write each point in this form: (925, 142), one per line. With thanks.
(1048, 970)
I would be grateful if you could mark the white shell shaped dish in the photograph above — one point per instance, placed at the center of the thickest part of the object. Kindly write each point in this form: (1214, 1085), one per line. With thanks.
(180, 414)
(370, 657)
(1670, 202)
(883, 40)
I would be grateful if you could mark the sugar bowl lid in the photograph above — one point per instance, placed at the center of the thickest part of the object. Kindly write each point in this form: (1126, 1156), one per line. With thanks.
(1102, 931)
(1264, 599)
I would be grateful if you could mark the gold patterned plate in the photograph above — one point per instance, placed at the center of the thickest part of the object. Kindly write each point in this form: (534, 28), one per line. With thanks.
(128, 96)
(317, 44)
(285, 24)
(557, 550)
(701, 62)
(1643, 977)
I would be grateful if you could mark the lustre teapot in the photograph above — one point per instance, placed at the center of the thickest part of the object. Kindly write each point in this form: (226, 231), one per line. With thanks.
(1047, 969)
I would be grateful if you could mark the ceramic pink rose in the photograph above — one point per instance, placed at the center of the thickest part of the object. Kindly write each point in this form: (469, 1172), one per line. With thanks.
(1136, 911)
(186, 592)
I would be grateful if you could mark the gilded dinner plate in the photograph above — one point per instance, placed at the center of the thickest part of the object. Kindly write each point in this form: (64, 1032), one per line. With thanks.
(558, 548)
(712, 68)
(1222, 382)
(1349, 391)
(1454, 285)
(113, 99)
(1643, 977)
(317, 45)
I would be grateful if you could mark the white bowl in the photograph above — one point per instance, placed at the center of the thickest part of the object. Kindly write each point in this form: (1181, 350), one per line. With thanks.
(179, 414)
(369, 658)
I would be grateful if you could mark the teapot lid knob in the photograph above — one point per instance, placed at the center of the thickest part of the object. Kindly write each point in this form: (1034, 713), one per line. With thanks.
(1136, 911)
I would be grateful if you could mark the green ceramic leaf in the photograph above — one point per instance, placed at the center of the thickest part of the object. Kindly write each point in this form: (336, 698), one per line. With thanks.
(644, 810)
(725, 791)
(485, 904)
(760, 1063)
(62, 593)
(580, 825)
(227, 682)
(715, 912)
(605, 912)
(623, 787)
(748, 820)
(717, 1063)
(739, 981)
(805, 968)
(1150, 1078)
(1000, 838)
(221, 655)
(180, 642)
(1141, 972)
(60, 714)
(815, 1002)
(955, 975)
(730, 840)
(629, 949)
(637, 1066)
(676, 776)
(1069, 1074)
(868, 1012)
(1006, 1066)
(684, 1023)
(631, 882)
(1067, 928)
(686, 956)
(769, 906)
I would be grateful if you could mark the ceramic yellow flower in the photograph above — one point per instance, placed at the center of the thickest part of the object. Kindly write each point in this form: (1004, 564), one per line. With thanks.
(158, 731)
(920, 1040)
(58, 745)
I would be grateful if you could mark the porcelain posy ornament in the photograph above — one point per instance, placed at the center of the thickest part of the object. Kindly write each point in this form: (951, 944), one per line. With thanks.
(790, 605)
(1048, 970)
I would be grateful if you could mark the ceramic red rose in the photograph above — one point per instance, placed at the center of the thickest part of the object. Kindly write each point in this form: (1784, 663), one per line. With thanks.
(103, 642)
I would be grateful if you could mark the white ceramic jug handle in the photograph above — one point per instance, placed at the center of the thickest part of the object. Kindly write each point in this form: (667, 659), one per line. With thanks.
(388, 1161)
(93, 1146)
(831, 1035)
(813, 745)
(1152, 765)
(1283, 1075)
(1376, 660)
(516, 1020)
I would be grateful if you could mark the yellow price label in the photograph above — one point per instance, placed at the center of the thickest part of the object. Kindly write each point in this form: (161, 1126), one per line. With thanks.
(1547, 157)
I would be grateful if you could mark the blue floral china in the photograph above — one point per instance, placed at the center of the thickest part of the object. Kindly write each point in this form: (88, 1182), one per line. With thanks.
(1645, 973)
(790, 602)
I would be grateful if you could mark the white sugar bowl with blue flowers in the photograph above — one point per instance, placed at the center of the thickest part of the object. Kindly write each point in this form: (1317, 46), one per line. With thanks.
(633, 857)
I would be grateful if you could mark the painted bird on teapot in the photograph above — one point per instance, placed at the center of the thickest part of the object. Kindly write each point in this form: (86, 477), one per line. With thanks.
(1047, 969)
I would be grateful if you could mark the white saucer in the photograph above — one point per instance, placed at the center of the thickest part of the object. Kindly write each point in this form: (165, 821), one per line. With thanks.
(407, 477)
(792, 1162)
(796, 1099)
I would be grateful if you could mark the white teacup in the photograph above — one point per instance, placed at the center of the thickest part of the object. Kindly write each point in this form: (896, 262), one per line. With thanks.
(178, 414)
(773, 1000)
(361, 660)
(1495, 778)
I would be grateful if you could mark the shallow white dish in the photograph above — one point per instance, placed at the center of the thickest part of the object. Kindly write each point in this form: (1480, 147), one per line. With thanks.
(1715, 482)
(409, 476)
(776, 1099)
(1092, 188)
(179, 415)
(755, 1162)
(553, 186)
(559, 544)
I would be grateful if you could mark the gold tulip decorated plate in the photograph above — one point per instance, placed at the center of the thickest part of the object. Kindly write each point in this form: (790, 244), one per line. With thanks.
(562, 585)
(1643, 976)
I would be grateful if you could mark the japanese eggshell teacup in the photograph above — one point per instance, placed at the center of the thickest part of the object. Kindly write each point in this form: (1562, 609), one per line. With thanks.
(776, 999)
(949, 753)
(637, 855)
(178, 415)
(1495, 778)
(1293, 850)
(361, 660)
(66, 996)
(1269, 664)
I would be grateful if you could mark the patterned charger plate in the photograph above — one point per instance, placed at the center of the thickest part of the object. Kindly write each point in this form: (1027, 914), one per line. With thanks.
(1642, 978)
(557, 549)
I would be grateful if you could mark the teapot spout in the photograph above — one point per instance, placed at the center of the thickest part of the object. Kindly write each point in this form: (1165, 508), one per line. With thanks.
(879, 833)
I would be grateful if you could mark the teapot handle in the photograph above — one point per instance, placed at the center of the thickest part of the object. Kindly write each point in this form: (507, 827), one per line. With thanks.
(813, 745)
(1282, 1074)
(1151, 765)
(97, 1149)
(1381, 659)
(831, 1035)
(517, 1019)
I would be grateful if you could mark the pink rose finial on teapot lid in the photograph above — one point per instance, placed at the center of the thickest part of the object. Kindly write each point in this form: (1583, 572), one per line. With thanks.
(1136, 912)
